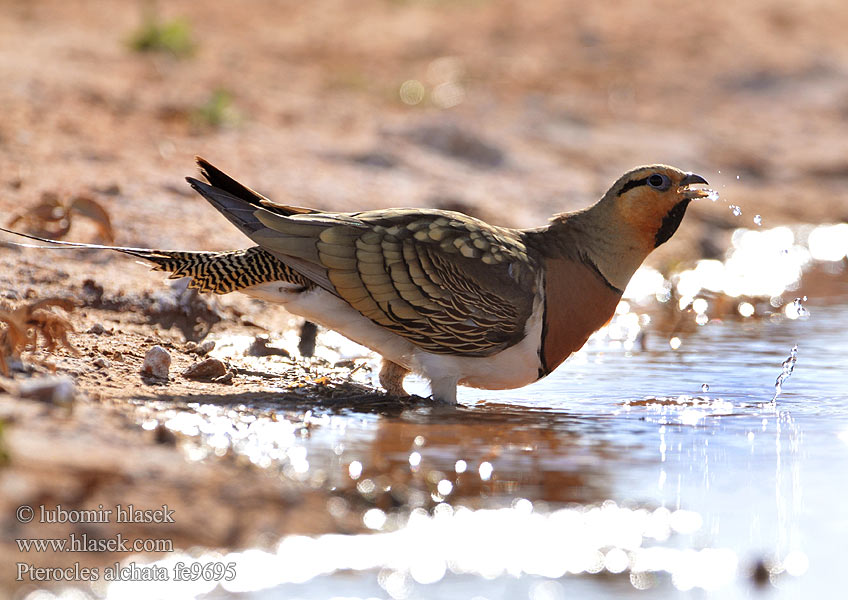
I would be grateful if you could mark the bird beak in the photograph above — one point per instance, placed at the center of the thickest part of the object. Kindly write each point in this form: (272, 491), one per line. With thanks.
(690, 179)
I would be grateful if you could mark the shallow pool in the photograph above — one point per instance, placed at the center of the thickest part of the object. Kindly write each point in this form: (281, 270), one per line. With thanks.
(625, 470)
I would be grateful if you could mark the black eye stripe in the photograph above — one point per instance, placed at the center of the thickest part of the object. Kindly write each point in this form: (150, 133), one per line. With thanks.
(632, 184)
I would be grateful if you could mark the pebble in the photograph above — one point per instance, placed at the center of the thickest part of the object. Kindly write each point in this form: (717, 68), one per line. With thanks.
(201, 349)
(226, 378)
(205, 348)
(101, 363)
(157, 362)
(206, 369)
(96, 329)
(163, 435)
(53, 389)
(260, 347)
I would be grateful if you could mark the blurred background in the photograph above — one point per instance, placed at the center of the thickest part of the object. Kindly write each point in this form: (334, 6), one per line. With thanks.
(506, 110)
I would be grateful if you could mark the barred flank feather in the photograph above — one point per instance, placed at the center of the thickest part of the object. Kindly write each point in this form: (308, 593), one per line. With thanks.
(224, 272)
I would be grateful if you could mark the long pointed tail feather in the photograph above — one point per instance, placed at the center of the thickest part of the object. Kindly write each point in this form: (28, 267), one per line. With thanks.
(217, 272)
(224, 183)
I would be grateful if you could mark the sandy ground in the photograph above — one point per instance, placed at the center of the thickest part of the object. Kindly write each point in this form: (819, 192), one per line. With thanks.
(526, 109)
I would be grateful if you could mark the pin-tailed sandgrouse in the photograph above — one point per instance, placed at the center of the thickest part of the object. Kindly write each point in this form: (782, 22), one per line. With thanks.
(436, 292)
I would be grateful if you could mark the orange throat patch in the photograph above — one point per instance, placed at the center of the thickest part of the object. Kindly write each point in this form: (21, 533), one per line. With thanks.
(578, 302)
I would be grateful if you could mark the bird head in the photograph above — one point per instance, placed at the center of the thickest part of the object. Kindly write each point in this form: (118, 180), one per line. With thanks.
(639, 212)
(650, 202)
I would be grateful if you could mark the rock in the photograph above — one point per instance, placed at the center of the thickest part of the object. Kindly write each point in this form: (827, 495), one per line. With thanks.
(53, 389)
(101, 363)
(163, 435)
(226, 378)
(96, 329)
(201, 349)
(260, 347)
(157, 363)
(205, 348)
(210, 368)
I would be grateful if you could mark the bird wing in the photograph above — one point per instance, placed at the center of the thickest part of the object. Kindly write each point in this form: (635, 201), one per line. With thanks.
(448, 283)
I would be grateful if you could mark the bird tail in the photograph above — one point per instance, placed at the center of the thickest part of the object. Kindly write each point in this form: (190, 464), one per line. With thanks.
(217, 272)
(237, 202)
(224, 183)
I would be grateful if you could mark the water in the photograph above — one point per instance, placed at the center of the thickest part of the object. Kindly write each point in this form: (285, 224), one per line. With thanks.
(606, 478)
(788, 367)
(672, 453)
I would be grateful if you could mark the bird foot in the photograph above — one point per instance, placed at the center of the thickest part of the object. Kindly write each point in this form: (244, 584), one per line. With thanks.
(391, 378)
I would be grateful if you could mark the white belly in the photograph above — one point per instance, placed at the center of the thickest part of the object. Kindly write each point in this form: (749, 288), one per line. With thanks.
(514, 367)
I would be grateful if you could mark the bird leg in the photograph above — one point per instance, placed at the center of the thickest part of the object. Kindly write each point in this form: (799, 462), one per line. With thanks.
(308, 331)
(443, 389)
(392, 376)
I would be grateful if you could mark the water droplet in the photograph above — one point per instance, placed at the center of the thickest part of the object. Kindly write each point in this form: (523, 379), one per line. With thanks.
(758, 220)
(737, 212)
(788, 367)
(354, 469)
(796, 310)
(705, 387)
(713, 195)
(674, 343)
(737, 178)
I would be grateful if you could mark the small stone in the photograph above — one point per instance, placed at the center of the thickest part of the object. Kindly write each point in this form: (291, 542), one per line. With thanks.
(157, 362)
(190, 346)
(163, 435)
(226, 378)
(205, 348)
(760, 573)
(210, 368)
(260, 347)
(101, 363)
(54, 390)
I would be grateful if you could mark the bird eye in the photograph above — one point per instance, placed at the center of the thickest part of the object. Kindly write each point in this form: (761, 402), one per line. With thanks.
(658, 181)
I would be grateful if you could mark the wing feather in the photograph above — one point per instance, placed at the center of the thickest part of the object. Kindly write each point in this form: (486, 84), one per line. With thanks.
(418, 273)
